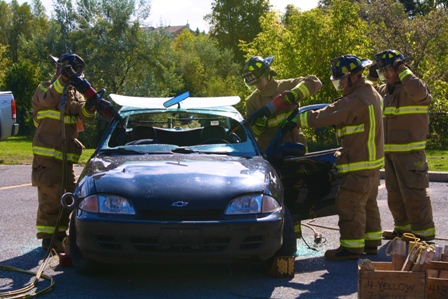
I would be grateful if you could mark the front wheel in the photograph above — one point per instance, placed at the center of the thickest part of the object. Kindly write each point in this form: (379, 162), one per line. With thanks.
(289, 246)
(82, 264)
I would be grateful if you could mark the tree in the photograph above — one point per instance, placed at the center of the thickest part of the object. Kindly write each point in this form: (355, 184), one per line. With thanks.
(233, 21)
(206, 71)
(309, 41)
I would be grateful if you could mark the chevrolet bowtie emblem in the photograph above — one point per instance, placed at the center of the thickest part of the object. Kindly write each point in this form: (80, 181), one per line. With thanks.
(180, 204)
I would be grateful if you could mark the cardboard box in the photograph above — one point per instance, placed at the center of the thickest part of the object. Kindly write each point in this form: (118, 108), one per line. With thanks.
(437, 287)
(383, 282)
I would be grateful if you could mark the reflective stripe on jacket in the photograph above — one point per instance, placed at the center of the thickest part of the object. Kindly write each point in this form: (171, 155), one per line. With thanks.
(405, 115)
(358, 120)
(265, 131)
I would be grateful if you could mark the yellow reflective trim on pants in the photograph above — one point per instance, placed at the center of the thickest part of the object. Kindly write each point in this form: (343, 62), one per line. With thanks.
(363, 165)
(348, 130)
(420, 145)
(403, 228)
(50, 229)
(373, 236)
(357, 243)
(425, 233)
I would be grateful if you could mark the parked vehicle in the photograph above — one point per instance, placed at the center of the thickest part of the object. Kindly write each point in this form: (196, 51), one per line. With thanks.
(8, 115)
(184, 179)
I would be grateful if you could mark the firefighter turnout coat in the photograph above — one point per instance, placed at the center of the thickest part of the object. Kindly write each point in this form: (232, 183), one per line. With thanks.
(58, 120)
(265, 129)
(357, 117)
(406, 107)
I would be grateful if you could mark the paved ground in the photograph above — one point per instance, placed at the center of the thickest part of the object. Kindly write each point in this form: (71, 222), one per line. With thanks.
(315, 277)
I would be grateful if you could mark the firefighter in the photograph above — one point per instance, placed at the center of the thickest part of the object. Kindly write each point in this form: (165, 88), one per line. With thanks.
(406, 106)
(257, 72)
(58, 114)
(357, 116)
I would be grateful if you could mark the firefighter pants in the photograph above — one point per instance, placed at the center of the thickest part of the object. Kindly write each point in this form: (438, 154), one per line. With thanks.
(49, 196)
(407, 185)
(359, 216)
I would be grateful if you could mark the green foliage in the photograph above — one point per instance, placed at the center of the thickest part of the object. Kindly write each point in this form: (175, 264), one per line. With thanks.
(22, 78)
(125, 57)
(234, 21)
(309, 41)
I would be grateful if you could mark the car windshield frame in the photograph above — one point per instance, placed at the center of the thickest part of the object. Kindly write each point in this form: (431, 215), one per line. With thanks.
(174, 120)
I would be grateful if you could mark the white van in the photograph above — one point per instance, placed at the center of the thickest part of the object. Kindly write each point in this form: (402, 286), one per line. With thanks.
(8, 115)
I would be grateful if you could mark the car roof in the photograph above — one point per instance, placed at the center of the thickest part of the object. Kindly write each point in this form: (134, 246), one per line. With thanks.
(187, 103)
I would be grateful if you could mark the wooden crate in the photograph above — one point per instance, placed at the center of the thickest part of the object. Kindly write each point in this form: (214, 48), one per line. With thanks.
(384, 282)
(437, 287)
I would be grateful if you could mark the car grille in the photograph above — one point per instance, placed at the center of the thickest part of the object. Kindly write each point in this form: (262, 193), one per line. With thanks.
(181, 215)
(153, 244)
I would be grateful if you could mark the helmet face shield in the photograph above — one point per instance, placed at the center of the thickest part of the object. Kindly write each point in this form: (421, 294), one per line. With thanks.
(382, 71)
(255, 69)
(337, 82)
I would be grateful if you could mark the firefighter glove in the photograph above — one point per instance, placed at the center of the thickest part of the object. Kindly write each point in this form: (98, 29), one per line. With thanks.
(279, 102)
(397, 63)
(373, 71)
(82, 85)
(68, 73)
(255, 117)
(289, 124)
(289, 97)
(102, 106)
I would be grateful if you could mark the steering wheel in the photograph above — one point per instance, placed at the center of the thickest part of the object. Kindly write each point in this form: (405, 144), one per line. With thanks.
(214, 140)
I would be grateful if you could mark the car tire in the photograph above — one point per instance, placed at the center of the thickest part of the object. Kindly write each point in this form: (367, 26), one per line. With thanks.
(288, 248)
(82, 264)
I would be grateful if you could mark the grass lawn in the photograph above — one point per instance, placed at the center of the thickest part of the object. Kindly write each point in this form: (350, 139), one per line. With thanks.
(17, 150)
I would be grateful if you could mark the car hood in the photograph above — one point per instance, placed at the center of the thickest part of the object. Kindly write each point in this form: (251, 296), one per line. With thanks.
(151, 181)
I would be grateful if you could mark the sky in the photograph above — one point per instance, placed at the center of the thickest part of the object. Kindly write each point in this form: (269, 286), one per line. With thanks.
(181, 12)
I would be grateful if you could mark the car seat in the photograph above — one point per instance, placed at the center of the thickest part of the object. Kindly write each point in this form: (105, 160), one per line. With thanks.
(213, 134)
(140, 133)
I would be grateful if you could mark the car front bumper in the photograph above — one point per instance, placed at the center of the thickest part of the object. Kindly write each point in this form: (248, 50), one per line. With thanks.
(116, 241)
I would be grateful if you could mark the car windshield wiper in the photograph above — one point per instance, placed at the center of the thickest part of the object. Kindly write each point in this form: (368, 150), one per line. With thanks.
(122, 151)
(183, 150)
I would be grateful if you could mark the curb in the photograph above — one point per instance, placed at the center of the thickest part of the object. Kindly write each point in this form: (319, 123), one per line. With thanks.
(434, 176)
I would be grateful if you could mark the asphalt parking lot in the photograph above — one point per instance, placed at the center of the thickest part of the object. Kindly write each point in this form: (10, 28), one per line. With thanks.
(314, 277)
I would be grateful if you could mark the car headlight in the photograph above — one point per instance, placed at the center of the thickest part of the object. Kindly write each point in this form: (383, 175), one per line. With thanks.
(108, 204)
(252, 204)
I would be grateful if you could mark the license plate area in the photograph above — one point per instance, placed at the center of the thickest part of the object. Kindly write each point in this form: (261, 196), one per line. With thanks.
(181, 240)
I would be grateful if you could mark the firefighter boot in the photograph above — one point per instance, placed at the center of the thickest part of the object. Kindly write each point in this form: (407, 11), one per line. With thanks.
(341, 253)
(392, 234)
(57, 244)
(371, 250)
(408, 237)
